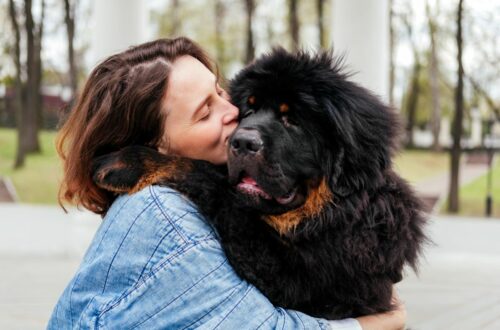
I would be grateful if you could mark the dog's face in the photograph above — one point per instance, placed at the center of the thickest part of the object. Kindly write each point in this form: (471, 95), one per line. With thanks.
(302, 123)
(274, 155)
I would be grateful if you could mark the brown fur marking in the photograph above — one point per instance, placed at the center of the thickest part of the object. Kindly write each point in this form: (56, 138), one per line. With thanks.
(313, 206)
(284, 108)
(174, 170)
(251, 100)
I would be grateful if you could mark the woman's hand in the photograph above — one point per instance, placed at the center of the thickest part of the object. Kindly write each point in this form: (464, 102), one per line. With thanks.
(393, 320)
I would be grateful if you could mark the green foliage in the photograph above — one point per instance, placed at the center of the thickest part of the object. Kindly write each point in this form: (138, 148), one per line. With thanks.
(38, 181)
(7, 80)
(424, 101)
(197, 21)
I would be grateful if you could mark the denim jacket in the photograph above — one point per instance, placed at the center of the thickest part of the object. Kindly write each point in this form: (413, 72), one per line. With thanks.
(155, 263)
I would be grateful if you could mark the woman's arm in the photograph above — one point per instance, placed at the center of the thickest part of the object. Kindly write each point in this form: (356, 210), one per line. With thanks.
(393, 320)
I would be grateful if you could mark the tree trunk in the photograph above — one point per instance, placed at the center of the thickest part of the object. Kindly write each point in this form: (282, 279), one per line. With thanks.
(39, 69)
(453, 197)
(434, 82)
(250, 49)
(320, 5)
(412, 101)
(28, 97)
(69, 20)
(176, 24)
(392, 42)
(294, 24)
(220, 12)
(18, 86)
(31, 104)
(414, 90)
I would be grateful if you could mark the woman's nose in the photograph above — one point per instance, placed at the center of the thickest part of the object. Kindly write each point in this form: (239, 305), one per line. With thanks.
(231, 114)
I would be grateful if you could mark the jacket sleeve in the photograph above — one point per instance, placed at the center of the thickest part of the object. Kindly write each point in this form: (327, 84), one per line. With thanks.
(200, 290)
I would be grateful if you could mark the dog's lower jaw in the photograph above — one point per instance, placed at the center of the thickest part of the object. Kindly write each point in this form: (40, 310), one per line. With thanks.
(312, 207)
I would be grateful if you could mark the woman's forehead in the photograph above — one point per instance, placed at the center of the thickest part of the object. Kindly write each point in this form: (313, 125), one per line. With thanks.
(188, 71)
(189, 83)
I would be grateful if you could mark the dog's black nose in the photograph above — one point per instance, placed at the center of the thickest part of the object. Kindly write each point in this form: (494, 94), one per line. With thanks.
(246, 141)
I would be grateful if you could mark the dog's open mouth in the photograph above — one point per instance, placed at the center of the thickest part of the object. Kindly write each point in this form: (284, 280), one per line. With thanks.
(249, 186)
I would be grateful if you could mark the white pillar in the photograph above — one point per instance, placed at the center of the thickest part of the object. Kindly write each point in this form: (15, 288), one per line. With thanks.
(116, 25)
(444, 132)
(476, 128)
(361, 30)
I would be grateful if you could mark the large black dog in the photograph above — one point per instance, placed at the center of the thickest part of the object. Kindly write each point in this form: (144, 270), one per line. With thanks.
(309, 209)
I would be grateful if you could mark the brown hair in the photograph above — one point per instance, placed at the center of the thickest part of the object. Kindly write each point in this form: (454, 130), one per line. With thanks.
(120, 105)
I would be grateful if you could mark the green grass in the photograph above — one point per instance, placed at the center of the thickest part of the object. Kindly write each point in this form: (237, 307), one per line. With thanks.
(38, 182)
(416, 165)
(473, 195)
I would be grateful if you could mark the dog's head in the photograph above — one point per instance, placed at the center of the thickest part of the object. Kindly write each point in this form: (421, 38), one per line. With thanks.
(306, 132)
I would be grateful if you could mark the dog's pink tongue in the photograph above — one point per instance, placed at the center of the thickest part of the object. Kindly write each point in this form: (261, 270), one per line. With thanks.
(250, 186)
(249, 180)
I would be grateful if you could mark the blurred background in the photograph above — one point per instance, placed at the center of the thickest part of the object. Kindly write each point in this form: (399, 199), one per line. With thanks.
(436, 61)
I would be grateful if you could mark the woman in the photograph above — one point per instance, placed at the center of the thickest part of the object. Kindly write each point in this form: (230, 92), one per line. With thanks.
(155, 262)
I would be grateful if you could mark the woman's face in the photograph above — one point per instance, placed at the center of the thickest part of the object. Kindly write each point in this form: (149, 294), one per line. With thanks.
(199, 116)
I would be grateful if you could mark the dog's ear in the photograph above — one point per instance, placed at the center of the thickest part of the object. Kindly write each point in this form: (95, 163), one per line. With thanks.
(135, 167)
(366, 130)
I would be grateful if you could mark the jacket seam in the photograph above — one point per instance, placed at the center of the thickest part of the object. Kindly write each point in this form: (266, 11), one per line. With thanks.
(260, 325)
(178, 296)
(300, 319)
(212, 309)
(152, 254)
(78, 276)
(121, 243)
(82, 318)
(156, 248)
(160, 207)
(234, 307)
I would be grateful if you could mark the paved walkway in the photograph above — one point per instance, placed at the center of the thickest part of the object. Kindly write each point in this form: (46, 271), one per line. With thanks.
(40, 249)
(458, 287)
(459, 283)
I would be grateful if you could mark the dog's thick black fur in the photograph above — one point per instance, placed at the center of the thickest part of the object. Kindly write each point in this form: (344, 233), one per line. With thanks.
(309, 210)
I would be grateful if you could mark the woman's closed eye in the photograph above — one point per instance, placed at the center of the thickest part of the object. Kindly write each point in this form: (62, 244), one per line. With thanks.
(206, 113)
(207, 109)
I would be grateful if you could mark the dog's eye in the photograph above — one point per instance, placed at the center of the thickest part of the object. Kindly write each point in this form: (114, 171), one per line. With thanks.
(248, 113)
